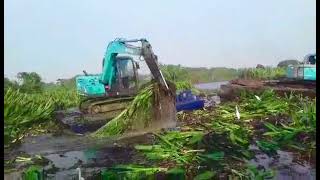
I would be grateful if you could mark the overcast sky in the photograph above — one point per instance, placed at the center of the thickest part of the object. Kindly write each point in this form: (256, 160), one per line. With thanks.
(60, 38)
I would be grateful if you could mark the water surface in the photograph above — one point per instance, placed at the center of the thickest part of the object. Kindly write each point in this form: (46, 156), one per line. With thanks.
(211, 85)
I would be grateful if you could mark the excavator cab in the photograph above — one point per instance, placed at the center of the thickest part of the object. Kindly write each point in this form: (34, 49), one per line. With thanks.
(126, 79)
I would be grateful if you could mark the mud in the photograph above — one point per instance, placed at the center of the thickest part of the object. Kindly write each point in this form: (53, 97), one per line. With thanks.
(78, 122)
(67, 152)
(283, 165)
(232, 90)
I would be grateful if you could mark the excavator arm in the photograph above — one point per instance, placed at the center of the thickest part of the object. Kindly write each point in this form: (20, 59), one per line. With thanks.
(120, 46)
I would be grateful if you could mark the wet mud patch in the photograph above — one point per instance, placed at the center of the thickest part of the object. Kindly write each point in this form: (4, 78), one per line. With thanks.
(284, 164)
(63, 154)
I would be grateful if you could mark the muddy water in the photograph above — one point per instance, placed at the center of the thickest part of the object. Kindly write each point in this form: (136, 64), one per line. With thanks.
(283, 165)
(68, 152)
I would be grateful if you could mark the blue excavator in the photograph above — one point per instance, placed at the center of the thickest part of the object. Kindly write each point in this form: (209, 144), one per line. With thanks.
(106, 95)
(111, 91)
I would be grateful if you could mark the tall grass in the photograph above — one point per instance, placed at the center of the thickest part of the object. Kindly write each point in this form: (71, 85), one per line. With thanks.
(262, 74)
(22, 110)
(63, 97)
(183, 85)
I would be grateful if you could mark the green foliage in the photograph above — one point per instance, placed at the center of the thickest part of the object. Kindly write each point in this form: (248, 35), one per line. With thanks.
(306, 115)
(138, 110)
(175, 146)
(62, 97)
(185, 138)
(33, 173)
(268, 146)
(133, 172)
(10, 84)
(226, 138)
(22, 110)
(250, 107)
(237, 134)
(183, 85)
(205, 175)
(203, 75)
(254, 173)
(176, 173)
(282, 134)
(30, 82)
(215, 156)
(304, 122)
(177, 73)
(31, 102)
(267, 104)
(262, 74)
(255, 105)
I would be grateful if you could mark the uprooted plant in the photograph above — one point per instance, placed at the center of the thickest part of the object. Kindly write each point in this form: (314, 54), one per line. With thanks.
(147, 107)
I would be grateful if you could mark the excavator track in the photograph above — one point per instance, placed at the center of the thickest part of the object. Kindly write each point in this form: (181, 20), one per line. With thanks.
(92, 113)
(103, 105)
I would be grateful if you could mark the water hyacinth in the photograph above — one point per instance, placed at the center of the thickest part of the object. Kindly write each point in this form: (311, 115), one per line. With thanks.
(153, 104)
(138, 108)
(22, 110)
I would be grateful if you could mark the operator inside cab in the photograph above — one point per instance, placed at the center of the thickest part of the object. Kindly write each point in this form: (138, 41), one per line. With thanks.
(312, 59)
(124, 74)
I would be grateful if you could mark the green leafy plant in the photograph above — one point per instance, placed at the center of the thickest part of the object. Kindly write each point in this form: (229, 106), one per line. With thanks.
(205, 175)
(262, 74)
(133, 172)
(138, 108)
(173, 146)
(33, 173)
(254, 173)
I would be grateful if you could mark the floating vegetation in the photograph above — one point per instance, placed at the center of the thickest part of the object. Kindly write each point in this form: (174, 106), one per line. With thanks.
(209, 144)
(133, 172)
(205, 175)
(33, 173)
(139, 108)
(175, 146)
(218, 139)
(23, 110)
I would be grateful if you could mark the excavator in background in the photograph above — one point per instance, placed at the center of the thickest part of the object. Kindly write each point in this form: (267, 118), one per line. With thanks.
(300, 79)
(305, 71)
(110, 92)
